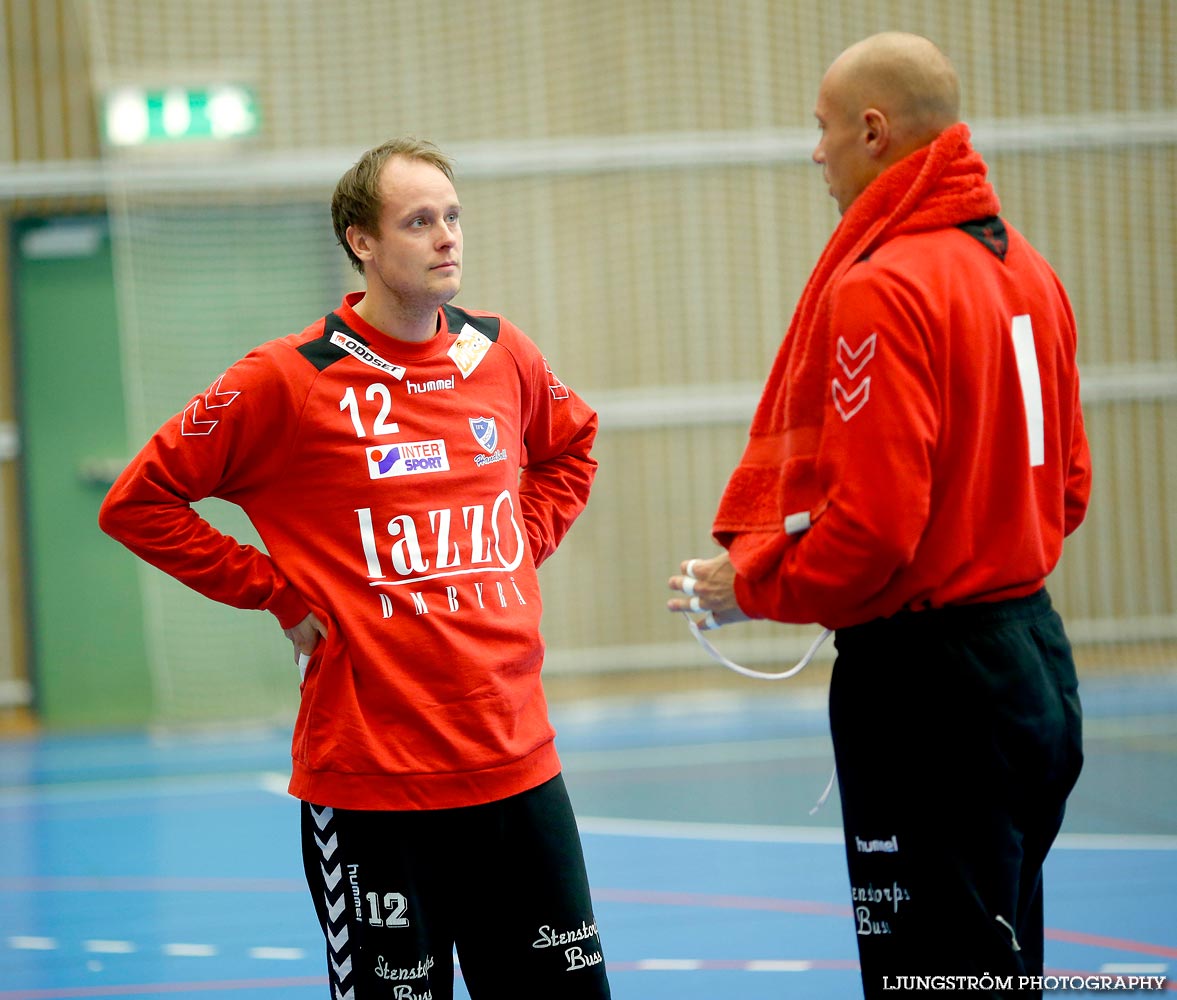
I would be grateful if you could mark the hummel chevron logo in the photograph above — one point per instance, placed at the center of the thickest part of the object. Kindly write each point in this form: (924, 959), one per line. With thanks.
(337, 941)
(336, 908)
(866, 351)
(322, 816)
(328, 848)
(197, 422)
(559, 389)
(342, 971)
(349, 995)
(332, 880)
(849, 403)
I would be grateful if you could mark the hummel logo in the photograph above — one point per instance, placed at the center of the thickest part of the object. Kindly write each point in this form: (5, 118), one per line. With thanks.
(559, 389)
(849, 403)
(191, 424)
(331, 880)
(328, 848)
(336, 908)
(866, 351)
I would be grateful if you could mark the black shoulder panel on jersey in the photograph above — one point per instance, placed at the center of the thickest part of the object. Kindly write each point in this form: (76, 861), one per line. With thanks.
(456, 318)
(321, 352)
(990, 233)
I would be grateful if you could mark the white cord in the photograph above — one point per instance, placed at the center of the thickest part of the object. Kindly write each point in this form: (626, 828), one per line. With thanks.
(826, 794)
(759, 675)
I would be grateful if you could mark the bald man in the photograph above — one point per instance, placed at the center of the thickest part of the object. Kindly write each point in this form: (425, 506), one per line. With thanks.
(916, 460)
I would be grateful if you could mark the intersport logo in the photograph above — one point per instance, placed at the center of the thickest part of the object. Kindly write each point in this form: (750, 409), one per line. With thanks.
(407, 458)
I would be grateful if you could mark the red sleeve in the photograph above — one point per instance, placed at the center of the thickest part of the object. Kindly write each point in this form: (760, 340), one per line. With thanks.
(224, 442)
(558, 470)
(880, 428)
(1078, 491)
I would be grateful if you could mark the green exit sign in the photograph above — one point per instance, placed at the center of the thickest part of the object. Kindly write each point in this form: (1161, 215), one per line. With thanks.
(136, 116)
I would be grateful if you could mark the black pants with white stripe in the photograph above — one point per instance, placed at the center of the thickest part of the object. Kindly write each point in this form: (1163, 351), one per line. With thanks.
(504, 883)
(957, 735)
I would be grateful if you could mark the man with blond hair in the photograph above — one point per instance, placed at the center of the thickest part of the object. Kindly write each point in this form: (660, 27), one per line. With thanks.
(916, 460)
(408, 464)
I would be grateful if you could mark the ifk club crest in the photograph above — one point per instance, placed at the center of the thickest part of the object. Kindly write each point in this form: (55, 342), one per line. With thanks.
(485, 432)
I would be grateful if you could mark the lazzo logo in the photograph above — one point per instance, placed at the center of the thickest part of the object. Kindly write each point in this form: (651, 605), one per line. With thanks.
(485, 432)
(362, 352)
(409, 458)
(478, 538)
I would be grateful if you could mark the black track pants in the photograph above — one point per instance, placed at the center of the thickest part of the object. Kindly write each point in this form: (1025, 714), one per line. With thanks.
(957, 734)
(505, 883)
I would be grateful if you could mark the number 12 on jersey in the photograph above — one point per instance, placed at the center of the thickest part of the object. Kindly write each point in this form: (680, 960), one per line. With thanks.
(350, 405)
(394, 903)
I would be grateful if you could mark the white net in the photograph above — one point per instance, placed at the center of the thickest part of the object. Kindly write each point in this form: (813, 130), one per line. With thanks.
(638, 197)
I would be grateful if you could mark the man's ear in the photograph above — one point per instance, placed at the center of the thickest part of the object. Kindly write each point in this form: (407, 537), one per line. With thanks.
(360, 242)
(876, 131)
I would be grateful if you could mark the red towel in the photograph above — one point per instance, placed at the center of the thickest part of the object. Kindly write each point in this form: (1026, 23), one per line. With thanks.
(940, 185)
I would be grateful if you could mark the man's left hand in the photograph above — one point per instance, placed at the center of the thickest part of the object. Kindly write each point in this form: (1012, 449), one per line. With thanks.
(707, 587)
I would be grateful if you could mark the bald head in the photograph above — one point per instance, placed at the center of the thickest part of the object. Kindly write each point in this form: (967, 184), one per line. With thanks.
(907, 78)
(880, 100)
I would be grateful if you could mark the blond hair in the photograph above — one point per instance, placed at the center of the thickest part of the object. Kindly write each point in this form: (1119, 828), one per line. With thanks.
(356, 201)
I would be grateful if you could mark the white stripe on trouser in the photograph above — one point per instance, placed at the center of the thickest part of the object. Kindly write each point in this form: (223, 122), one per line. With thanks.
(337, 933)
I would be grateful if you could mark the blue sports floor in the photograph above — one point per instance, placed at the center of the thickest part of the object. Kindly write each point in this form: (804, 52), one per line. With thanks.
(146, 865)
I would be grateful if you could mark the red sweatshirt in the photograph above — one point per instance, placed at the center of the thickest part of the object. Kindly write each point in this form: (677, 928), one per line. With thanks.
(953, 458)
(384, 478)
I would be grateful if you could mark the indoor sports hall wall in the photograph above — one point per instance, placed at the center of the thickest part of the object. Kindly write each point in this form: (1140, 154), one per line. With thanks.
(638, 196)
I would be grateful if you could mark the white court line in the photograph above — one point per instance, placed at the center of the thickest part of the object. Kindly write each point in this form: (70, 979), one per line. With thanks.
(1130, 727)
(669, 964)
(121, 789)
(279, 954)
(694, 754)
(778, 965)
(25, 942)
(276, 782)
(1115, 842)
(767, 834)
(1134, 969)
(177, 949)
(109, 947)
(180, 950)
(675, 830)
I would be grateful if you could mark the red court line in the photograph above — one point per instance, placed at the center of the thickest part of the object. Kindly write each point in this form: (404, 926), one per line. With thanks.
(725, 964)
(1098, 941)
(1170, 984)
(737, 964)
(813, 907)
(68, 883)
